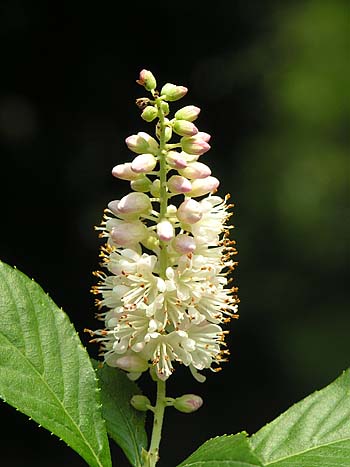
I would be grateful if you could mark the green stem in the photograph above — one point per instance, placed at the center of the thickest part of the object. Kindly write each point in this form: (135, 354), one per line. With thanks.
(157, 423)
(163, 193)
(161, 402)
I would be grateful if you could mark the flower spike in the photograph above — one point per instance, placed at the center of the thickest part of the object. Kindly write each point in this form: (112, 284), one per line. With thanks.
(166, 296)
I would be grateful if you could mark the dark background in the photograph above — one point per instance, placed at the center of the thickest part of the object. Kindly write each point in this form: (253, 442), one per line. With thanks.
(272, 81)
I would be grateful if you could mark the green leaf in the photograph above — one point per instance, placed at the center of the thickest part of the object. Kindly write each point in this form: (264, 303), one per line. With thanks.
(125, 425)
(225, 451)
(45, 372)
(313, 433)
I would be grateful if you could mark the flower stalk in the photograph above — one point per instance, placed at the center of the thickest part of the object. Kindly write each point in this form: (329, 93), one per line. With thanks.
(158, 416)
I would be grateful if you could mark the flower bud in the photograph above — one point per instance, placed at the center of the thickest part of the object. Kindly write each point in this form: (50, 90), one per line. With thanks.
(171, 92)
(165, 108)
(149, 113)
(194, 145)
(128, 233)
(140, 402)
(189, 211)
(132, 363)
(179, 184)
(147, 80)
(136, 144)
(184, 128)
(196, 170)
(202, 186)
(165, 230)
(142, 143)
(155, 188)
(189, 113)
(188, 403)
(124, 172)
(143, 163)
(142, 184)
(135, 203)
(176, 160)
(205, 136)
(184, 244)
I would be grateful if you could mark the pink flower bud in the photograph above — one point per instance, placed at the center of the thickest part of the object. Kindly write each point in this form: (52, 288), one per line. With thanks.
(189, 211)
(189, 113)
(132, 363)
(202, 186)
(196, 170)
(128, 233)
(135, 203)
(149, 113)
(152, 143)
(171, 92)
(113, 206)
(141, 143)
(205, 136)
(165, 230)
(179, 184)
(140, 402)
(147, 80)
(184, 244)
(124, 172)
(143, 163)
(136, 144)
(184, 128)
(188, 403)
(194, 145)
(176, 160)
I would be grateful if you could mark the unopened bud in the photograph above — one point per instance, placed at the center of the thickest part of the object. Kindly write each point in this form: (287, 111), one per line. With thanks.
(196, 170)
(184, 244)
(189, 113)
(155, 188)
(141, 403)
(124, 172)
(149, 113)
(205, 136)
(179, 184)
(128, 233)
(143, 163)
(184, 128)
(142, 143)
(176, 160)
(165, 108)
(202, 186)
(165, 230)
(142, 184)
(135, 203)
(147, 80)
(189, 211)
(194, 145)
(171, 92)
(132, 363)
(188, 403)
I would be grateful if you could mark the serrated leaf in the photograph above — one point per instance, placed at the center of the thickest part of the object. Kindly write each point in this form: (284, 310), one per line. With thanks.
(125, 425)
(313, 433)
(225, 451)
(45, 372)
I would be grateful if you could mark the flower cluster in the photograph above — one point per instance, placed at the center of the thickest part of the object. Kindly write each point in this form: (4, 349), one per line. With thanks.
(167, 252)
